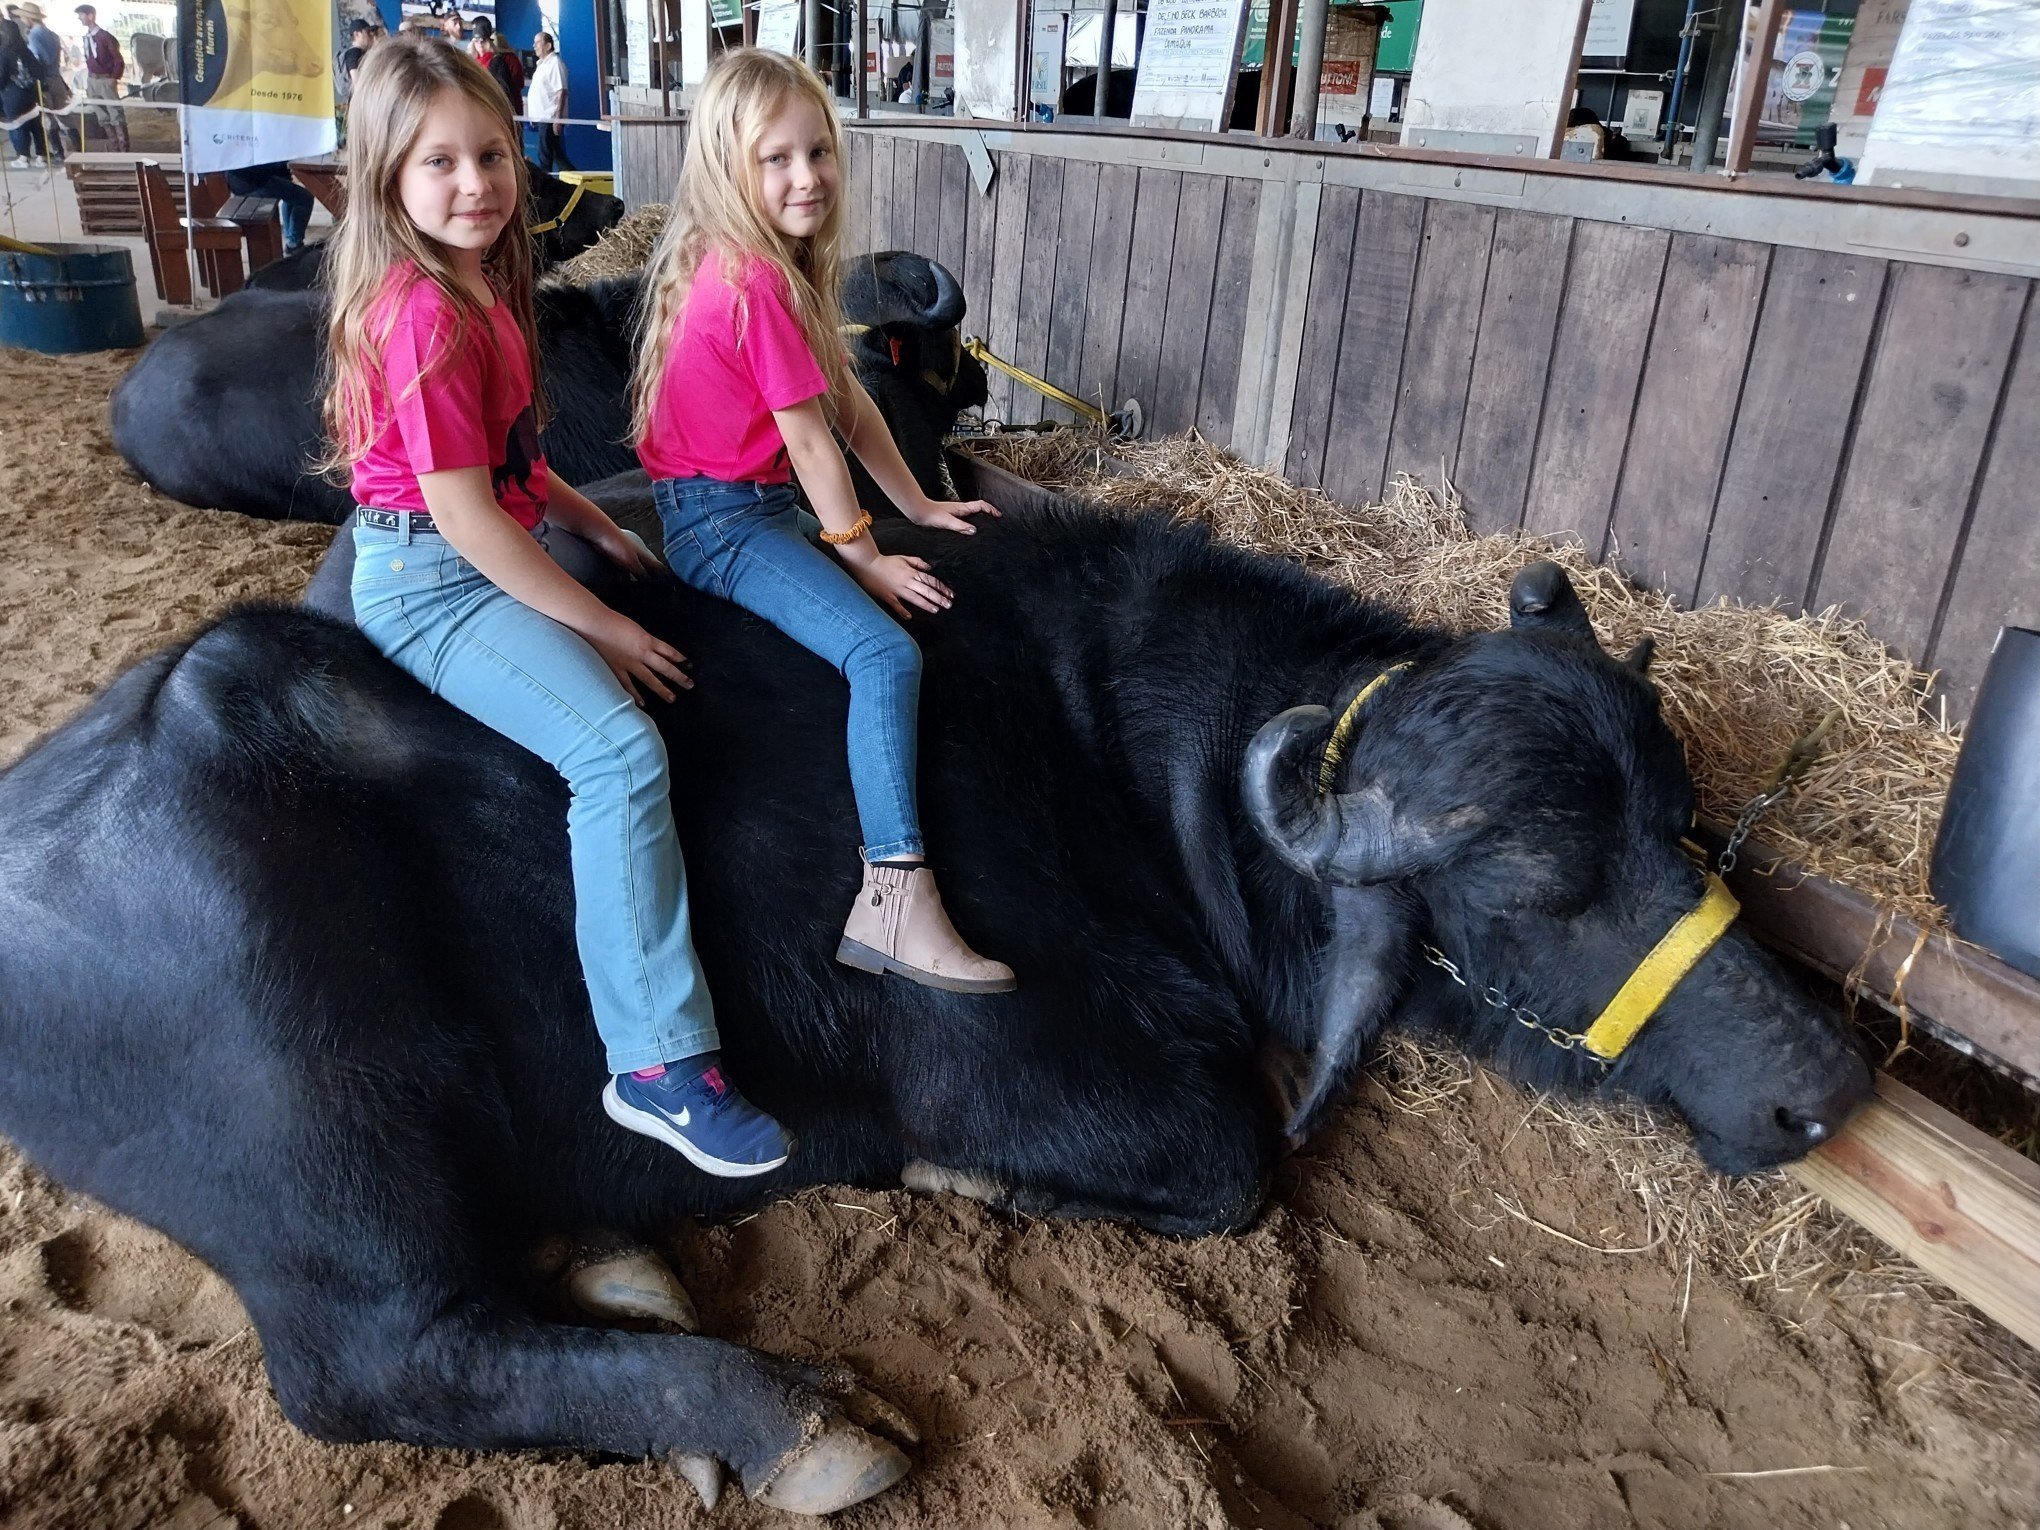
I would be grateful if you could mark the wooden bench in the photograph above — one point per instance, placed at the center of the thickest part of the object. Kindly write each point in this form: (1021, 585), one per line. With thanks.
(257, 219)
(170, 237)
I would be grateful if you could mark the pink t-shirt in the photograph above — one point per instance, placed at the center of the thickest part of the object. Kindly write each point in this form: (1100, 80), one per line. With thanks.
(713, 414)
(475, 410)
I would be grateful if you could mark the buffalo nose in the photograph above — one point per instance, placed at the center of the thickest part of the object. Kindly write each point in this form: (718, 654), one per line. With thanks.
(1815, 1123)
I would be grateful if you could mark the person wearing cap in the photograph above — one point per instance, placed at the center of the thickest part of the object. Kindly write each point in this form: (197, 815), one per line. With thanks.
(104, 67)
(48, 49)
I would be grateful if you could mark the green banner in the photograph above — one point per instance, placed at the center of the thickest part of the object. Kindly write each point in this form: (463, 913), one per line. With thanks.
(1398, 37)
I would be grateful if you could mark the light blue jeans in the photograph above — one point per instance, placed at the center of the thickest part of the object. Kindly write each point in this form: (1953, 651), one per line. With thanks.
(444, 623)
(743, 542)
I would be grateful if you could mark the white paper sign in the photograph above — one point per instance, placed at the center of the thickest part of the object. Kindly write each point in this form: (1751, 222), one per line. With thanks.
(1960, 109)
(1608, 25)
(779, 27)
(1187, 59)
(1381, 97)
(1044, 77)
(637, 43)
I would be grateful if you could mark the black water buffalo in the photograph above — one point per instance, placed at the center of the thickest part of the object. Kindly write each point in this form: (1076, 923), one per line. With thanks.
(287, 967)
(565, 224)
(907, 315)
(222, 412)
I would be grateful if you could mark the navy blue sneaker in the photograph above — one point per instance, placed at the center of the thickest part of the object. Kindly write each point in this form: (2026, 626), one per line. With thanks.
(695, 1110)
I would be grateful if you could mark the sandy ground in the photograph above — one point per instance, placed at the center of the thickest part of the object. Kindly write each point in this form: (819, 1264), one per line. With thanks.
(1393, 1348)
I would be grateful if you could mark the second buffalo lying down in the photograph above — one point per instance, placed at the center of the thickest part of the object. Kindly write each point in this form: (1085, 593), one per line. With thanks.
(286, 964)
(222, 413)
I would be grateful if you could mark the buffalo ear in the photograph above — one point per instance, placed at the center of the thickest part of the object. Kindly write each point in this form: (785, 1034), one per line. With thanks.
(1639, 657)
(1543, 598)
(1279, 786)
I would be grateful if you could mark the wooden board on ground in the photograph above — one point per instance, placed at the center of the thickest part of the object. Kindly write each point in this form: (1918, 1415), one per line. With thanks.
(1963, 1208)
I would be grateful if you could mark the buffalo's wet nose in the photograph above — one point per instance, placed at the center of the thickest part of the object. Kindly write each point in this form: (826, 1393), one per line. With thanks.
(1814, 1123)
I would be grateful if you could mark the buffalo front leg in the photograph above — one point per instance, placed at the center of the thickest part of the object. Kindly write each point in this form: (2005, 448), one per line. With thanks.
(795, 1436)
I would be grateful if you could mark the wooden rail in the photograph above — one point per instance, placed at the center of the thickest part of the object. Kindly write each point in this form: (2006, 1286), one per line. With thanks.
(1963, 1208)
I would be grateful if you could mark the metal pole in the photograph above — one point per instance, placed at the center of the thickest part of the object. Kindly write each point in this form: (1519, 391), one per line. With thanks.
(861, 91)
(811, 26)
(1671, 122)
(1715, 82)
(1310, 68)
(1108, 24)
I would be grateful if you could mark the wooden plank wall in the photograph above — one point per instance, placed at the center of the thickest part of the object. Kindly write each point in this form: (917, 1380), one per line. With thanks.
(1718, 417)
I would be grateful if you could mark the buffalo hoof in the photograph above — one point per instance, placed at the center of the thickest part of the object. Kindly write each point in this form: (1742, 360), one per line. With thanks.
(703, 1473)
(932, 1179)
(615, 1281)
(842, 1465)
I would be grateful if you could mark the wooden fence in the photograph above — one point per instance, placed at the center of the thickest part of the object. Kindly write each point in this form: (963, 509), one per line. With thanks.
(1815, 399)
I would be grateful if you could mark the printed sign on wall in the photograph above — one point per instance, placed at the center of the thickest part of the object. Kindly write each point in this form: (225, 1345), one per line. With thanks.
(1187, 61)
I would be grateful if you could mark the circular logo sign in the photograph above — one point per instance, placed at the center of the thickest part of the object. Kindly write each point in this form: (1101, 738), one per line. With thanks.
(1805, 73)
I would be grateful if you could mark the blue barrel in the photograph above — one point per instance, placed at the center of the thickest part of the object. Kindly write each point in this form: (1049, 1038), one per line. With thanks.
(78, 297)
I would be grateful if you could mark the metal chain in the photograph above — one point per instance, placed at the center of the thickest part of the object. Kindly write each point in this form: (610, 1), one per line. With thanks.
(1494, 998)
(1756, 808)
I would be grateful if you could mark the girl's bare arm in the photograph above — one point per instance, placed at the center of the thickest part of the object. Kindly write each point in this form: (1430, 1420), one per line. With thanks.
(865, 429)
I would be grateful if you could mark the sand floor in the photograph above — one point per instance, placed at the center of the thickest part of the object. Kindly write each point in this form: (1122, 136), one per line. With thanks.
(1393, 1348)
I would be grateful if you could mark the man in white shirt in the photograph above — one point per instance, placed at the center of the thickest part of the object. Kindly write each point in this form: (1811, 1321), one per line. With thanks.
(545, 103)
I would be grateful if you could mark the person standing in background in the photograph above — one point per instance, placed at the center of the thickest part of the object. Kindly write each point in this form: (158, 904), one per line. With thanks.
(20, 77)
(48, 49)
(104, 67)
(546, 104)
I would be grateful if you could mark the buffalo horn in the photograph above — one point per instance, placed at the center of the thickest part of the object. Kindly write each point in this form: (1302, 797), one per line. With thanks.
(948, 307)
(1346, 837)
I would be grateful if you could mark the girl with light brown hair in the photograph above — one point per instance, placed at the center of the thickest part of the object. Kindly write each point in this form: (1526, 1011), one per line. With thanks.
(434, 409)
(741, 374)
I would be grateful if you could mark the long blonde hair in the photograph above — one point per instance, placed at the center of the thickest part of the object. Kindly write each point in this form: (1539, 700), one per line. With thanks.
(399, 81)
(716, 207)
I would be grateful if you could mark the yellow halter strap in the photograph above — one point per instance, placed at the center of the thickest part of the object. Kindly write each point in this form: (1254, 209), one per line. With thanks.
(573, 201)
(1659, 973)
(1645, 990)
(1349, 720)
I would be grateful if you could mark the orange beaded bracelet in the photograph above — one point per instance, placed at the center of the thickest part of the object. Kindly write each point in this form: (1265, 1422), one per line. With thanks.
(838, 538)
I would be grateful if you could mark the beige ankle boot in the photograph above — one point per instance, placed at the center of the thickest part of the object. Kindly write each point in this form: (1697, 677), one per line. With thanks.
(898, 926)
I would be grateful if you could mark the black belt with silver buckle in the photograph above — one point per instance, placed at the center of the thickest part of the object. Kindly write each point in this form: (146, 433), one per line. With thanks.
(393, 520)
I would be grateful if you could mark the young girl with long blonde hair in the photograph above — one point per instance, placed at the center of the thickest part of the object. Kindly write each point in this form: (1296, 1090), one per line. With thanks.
(434, 408)
(740, 375)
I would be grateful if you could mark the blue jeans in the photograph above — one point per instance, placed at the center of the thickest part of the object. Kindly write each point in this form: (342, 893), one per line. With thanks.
(444, 623)
(742, 541)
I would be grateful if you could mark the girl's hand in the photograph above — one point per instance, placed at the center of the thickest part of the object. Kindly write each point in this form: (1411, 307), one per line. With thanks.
(637, 659)
(949, 516)
(894, 580)
(627, 550)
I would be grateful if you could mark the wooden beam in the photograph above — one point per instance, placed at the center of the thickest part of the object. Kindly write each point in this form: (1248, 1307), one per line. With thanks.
(1962, 1207)
(1961, 991)
(1760, 33)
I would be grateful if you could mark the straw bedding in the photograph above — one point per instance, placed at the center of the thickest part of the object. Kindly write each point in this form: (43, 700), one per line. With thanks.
(620, 250)
(1740, 684)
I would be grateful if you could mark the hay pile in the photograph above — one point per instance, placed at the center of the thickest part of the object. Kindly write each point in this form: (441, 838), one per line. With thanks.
(1741, 683)
(619, 251)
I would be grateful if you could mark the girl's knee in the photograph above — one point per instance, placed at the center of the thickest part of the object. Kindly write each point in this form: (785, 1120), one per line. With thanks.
(627, 755)
(886, 652)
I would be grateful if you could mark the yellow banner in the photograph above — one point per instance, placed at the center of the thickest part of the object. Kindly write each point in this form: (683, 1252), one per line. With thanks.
(258, 79)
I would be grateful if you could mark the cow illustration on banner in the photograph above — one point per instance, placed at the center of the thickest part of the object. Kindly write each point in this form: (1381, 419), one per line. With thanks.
(257, 81)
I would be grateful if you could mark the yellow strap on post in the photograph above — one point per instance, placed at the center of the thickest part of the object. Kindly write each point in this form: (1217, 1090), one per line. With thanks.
(1342, 733)
(1045, 388)
(1660, 972)
(573, 201)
